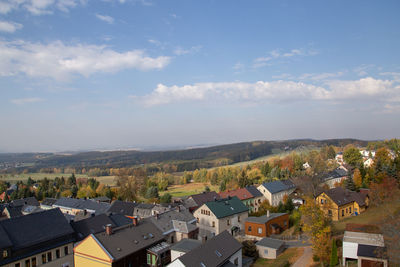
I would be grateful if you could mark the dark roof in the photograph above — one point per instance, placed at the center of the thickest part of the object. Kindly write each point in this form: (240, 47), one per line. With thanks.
(270, 243)
(254, 191)
(120, 219)
(263, 219)
(102, 199)
(122, 207)
(336, 173)
(241, 193)
(164, 221)
(5, 241)
(204, 197)
(88, 204)
(48, 201)
(226, 207)
(371, 251)
(186, 245)
(279, 185)
(92, 225)
(343, 196)
(214, 252)
(35, 228)
(31, 201)
(13, 211)
(146, 206)
(129, 239)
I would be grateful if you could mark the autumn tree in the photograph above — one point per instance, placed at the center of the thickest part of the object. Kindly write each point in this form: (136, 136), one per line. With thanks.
(357, 179)
(352, 156)
(317, 225)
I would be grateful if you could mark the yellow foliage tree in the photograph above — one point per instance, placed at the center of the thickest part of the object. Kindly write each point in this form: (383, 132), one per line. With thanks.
(357, 178)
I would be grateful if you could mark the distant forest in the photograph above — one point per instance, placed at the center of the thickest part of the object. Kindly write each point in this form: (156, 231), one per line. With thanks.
(183, 160)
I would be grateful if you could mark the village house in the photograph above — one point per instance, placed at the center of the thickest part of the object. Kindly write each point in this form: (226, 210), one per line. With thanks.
(266, 225)
(194, 201)
(269, 248)
(73, 206)
(214, 217)
(38, 239)
(340, 203)
(364, 244)
(275, 191)
(221, 250)
(176, 224)
(250, 196)
(339, 158)
(129, 245)
(183, 247)
(334, 177)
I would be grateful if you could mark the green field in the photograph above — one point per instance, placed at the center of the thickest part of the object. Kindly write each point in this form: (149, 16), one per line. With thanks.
(107, 180)
(188, 189)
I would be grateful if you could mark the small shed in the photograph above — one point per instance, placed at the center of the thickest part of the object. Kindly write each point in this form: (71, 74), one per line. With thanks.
(269, 248)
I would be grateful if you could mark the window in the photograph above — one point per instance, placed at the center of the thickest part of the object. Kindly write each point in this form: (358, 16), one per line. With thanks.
(266, 252)
(44, 258)
(17, 265)
(213, 224)
(228, 222)
(57, 253)
(346, 210)
(285, 223)
(49, 256)
(342, 213)
(34, 262)
(5, 254)
(66, 250)
(350, 209)
(238, 218)
(249, 229)
(198, 220)
(148, 259)
(236, 261)
(259, 230)
(330, 212)
(28, 263)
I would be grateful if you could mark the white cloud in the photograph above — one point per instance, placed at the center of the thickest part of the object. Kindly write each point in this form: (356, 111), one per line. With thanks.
(22, 101)
(262, 91)
(179, 51)
(59, 61)
(9, 26)
(277, 54)
(320, 76)
(39, 7)
(105, 18)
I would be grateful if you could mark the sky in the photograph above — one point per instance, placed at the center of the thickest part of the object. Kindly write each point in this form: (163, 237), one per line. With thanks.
(115, 74)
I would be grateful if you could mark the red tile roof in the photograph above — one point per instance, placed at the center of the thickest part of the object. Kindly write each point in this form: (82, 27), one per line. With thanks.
(241, 193)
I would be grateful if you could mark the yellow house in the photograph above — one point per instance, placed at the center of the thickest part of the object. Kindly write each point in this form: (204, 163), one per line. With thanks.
(340, 203)
(129, 245)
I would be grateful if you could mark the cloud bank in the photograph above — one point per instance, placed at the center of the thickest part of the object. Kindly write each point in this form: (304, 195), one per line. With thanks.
(59, 61)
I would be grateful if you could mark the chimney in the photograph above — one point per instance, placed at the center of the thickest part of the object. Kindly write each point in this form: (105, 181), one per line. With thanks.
(134, 220)
(179, 208)
(84, 212)
(109, 229)
(267, 213)
(157, 216)
(203, 239)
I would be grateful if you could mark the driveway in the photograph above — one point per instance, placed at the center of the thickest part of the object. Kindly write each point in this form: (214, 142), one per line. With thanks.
(305, 259)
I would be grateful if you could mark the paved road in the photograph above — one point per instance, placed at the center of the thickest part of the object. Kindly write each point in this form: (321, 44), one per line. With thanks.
(305, 259)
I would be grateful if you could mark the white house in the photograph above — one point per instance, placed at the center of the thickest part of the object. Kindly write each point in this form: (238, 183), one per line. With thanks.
(275, 191)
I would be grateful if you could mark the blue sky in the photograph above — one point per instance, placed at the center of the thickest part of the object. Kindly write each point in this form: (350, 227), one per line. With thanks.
(85, 74)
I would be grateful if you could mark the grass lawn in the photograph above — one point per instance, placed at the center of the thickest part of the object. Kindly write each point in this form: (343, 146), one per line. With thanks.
(372, 215)
(188, 189)
(290, 254)
(108, 180)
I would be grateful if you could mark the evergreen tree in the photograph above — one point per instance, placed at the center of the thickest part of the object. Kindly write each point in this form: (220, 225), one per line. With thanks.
(334, 258)
(349, 183)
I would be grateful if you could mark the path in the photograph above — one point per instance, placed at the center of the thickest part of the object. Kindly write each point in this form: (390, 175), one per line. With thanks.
(305, 259)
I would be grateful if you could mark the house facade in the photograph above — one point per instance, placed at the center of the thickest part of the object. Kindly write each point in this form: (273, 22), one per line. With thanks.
(38, 239)
(264, 226)
(340, 203)
(214, 217)
(269, 248)
(275, 191)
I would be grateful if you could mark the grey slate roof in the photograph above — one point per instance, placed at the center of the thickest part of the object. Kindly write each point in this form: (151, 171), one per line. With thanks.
(254, 191)
(200, 199)
(226, 207)
(129, 239)
(343, 196)
(336, 173)
(143, 210)
(122, 207)
(371, 251)
(270, 243)
(36, 228)
(13, 211)
(88, 204)
(48, 201)
(278, 186)
(165, 220)
(31, 201)
(213, 253)
(186, 245)
(92, 225)
(264, 219)
(183, 227)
